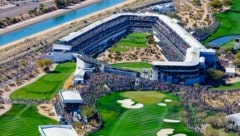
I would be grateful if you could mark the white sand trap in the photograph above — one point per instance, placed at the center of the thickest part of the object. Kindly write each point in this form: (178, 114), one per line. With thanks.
(162, 104)
(171, 121)
(180, 134)
(165, 132)
(128, 103)
(167, 100)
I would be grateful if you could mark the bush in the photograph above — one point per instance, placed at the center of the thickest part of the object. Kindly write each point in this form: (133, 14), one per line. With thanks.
(2, 107)
(88, 111)
(51, 114)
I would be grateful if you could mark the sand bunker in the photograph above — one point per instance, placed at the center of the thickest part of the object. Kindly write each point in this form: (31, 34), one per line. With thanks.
(167, 100)
(162, 104)
(171, 121)
(165, 132)
(180, 135)
(129, 104)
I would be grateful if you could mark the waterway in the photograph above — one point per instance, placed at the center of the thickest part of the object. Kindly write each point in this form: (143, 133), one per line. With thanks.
(44, 25)
(222, 40)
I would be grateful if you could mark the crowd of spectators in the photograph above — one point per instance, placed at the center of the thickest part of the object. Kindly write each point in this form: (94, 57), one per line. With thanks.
(27, 101)
(168, 50)
(20, 69)
(99, 84)
(200, 35)
(173, 47)
(92, 40)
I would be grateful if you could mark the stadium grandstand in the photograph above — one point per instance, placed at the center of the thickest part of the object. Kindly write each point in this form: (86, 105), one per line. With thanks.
(185, 58)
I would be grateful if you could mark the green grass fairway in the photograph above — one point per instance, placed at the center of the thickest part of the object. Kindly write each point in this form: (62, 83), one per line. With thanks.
(132, 40)
(227, 87)
(47, 86)
(23, 120)
(118, 49)
(229, 22)
(135, 66)
(146, 121)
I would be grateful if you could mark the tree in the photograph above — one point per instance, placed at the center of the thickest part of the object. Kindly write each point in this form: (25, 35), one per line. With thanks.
(227, 2)
(2, 24)
(88, 111)
(44, 64)
(236, 62)
(217, 4)
(197, 2)
(61, 3)
(93, 122)
(41, 7)
(215, 75)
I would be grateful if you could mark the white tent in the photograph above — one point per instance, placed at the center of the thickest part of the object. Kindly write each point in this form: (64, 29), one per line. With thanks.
(57, 130)
(235, 118)
(72, 96)
(230, 71)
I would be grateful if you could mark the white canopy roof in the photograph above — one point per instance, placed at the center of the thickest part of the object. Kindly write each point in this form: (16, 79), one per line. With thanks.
(192, 59)
(61, 47)
(57, 130)
(234, 117)
(230, 70)
(70, 96)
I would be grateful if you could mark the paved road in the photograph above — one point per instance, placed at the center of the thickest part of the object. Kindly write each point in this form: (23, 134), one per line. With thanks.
(24, 7)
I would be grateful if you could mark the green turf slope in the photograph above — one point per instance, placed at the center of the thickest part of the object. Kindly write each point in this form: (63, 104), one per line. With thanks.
(132, 40)
(47, 86)
(227, 87)
(135, 66)
(147, 121)
(23, 120)
(229, 21)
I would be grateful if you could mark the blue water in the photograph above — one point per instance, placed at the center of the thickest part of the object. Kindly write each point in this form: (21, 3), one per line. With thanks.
(35, 28)
(221, 40)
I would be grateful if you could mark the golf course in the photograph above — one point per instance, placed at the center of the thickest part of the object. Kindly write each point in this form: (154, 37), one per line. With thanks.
(47, 86)
(23, 120)
(145, 121)
(229, 22)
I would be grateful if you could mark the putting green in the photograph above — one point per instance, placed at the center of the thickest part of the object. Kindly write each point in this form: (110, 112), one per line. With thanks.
(151, 97)
(146, 121)
(23, 120)
(47, 86)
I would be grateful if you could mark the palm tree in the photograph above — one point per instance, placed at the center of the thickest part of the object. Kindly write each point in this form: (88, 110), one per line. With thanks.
(41, 8)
